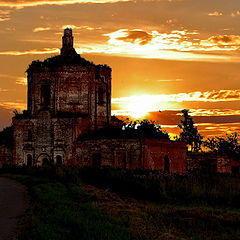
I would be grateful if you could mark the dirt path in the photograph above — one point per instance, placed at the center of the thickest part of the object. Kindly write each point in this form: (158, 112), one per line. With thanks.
(13, 202)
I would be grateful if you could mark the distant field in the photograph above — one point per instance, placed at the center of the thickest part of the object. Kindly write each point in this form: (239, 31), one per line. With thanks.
(72, 203)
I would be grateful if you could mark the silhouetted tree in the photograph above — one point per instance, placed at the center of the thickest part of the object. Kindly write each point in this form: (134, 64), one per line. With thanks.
(6, 136)
(190, 133)
(145, 128)
(228, 144)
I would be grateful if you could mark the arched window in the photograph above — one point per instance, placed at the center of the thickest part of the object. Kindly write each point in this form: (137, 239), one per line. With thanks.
(100, 95)
(166, 164)
(45, 95)
(59, 160)
(29, 160)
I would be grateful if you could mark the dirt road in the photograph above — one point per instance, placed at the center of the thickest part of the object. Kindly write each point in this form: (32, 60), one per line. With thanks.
(13, 202)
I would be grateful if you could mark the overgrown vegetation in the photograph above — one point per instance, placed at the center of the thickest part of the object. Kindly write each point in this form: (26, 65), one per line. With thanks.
(62, 210)
(207, 189)
(228, 144)
(179, 207)
(130, 129)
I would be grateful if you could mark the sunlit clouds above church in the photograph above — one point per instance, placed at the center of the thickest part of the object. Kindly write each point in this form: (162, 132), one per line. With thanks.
(165, 55)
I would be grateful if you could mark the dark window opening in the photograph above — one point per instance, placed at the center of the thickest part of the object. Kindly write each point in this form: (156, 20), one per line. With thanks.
(29, 136)
(45, 95)
(96, 160)
(59, 160)
(29, 160)
(100, 95)
(166, 164)
(235, 170)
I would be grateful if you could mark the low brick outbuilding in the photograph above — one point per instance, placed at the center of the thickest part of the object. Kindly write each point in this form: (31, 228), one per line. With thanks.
(135, 153)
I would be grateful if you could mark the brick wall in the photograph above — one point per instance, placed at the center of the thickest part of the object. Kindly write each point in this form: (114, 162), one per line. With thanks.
(5, 155)
(148, 154)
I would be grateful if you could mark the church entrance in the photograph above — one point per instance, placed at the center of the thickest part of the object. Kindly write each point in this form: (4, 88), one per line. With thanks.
(44, 160)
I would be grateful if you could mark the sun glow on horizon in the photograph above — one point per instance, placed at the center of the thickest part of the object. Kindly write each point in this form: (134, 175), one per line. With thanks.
(138, 108)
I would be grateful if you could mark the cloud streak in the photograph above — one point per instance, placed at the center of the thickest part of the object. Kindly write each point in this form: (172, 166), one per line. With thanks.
(13, 105)
(31, 3)
(215, 14)
(41, 29)
(177, 45)
(4, 15)
(31, 52)
(137, 106)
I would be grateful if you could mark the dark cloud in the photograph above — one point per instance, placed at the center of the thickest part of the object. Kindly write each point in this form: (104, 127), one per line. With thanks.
(228, 39)
(137, 36)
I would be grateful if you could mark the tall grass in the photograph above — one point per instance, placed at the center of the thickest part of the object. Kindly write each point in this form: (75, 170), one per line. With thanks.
(215, 189)
(62, 211)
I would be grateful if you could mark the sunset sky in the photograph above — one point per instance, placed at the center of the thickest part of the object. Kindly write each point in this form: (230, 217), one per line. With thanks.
(165, 55)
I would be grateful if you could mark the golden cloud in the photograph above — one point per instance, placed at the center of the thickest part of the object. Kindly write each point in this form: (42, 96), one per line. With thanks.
(31, 52)
(136, 36)
(80, 27)
(4, 15)
(41, 29)
(13, 105)
(3, 90)
(177, 45)
(234, 14)
(32, 3)
(225, 39)
(138, 106)
(215, 14)
(21, 81)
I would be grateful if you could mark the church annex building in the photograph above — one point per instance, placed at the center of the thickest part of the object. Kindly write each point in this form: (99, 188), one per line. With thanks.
(69, 97)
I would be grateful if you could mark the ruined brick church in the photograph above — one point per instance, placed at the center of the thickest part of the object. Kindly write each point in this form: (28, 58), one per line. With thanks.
(69, 97)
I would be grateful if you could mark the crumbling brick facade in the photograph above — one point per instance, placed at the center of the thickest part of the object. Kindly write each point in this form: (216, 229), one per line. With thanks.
(212, 163)
(69, 97)
(147, 154)
(6, 157)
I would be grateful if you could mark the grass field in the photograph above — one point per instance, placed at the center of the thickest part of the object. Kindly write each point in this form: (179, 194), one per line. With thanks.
(107, 204)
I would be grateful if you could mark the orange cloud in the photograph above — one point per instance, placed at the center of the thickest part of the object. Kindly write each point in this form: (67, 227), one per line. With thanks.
(31, 52)
(177, 45)
(13, 105)
(234, 14)
(4, 15)
(138, 106)
(21, 81)
(136, 36)
(214, 112)
(32, 3)
(215, 14)
(41, 29)
(80, 27)
(171, 80)
(225, 39)
(221, 43)
(3, 90)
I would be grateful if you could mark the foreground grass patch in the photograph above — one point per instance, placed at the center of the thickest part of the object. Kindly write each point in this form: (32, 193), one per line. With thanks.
(64, 211)
(118, 204)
